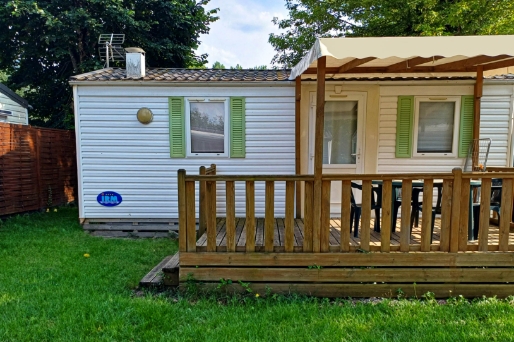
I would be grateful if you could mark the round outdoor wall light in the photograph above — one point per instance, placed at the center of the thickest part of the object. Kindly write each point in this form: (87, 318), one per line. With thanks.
(144, 115)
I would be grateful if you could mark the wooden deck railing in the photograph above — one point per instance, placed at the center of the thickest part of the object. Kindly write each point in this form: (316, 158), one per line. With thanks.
(454, 216)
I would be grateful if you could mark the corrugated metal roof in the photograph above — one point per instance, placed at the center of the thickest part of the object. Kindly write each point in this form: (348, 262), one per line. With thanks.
(186, 75)
(13, 96)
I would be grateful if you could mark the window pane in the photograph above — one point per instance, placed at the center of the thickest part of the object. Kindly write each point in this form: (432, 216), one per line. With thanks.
(207, 127)
(435, 127)
(340, 139)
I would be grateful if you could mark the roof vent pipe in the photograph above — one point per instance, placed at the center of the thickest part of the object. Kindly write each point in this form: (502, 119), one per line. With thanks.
(135, 62)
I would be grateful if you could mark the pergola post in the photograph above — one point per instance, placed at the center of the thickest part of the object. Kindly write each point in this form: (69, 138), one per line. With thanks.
(298, 99)
(318, 152)
(478, 95)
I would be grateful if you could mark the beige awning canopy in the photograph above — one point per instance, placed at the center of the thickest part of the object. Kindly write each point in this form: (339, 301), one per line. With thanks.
(409, 55)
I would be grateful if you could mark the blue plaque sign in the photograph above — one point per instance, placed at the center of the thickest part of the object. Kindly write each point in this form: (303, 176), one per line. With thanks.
(109, 198)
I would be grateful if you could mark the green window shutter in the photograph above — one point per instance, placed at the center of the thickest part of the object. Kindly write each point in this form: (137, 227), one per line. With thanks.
(404, 126)
(177, 127)
(237, 127)
(467, 113)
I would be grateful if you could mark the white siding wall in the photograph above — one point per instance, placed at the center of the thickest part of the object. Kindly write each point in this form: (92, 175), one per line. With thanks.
(495, 123)
(19, 114)
(118, 153)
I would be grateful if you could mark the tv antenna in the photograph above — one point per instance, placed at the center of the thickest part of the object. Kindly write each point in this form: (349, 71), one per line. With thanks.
(109, 47)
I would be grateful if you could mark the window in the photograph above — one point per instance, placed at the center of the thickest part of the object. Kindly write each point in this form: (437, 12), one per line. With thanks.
(207, 126)
(436, 121)
(340, 138)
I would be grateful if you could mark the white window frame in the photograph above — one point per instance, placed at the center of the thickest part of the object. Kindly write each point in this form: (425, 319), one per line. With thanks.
(456, 122)
(188, 101)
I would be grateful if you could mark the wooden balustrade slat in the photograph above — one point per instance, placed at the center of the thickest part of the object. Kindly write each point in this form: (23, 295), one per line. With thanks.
(366, 214)
(506, 214)
(464, 214)
(406, 212)
(202, 222)
(485, 203)
(269, 216)
(446, 212)
(426, 222)
(210, 208)
(191, 216)
(346, 188)
(385, 231)
(230, 216)
(325, 216)
(289, 221)
(182, 210)
(308, 216)
(316, 216)
(456, 204)
(250, 216)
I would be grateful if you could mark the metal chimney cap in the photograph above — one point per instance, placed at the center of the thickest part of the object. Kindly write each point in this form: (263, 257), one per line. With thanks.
(134, 50)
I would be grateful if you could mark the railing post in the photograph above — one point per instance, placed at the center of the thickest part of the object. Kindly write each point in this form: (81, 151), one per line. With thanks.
(308, 216)
(456, 199)
(182, 211)
(485, 205)
(191, 216)
(289, 221)
(426, 224)
(202, 224)
(325, 216)
(230, 223)
(346, 188)
(406, 211)
(250, 216)
(506, 214)
(269, 216)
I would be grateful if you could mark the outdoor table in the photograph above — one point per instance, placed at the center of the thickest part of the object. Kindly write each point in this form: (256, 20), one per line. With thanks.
(438, 184)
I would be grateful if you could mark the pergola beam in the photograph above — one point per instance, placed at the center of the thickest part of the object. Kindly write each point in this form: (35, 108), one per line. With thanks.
(353, 64)
(469, 62)
(501, 64)
(411, 63)
(467, 65)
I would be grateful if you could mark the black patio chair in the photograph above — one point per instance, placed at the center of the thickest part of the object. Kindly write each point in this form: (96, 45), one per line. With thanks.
(356, 209)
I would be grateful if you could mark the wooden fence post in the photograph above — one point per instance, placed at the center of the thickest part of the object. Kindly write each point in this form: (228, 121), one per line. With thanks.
(456, 212)
(202, 224)
(182, 212)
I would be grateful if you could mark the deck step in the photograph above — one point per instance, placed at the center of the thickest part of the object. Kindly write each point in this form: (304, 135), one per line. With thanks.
(156, 276)
(170, 271)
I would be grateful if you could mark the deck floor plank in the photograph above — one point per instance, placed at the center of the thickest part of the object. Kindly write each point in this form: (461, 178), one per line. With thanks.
(334, 236)
(298, 232)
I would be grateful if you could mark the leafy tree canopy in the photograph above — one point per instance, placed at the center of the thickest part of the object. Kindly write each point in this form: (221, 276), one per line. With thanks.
(43, 43)
(310, 19)
(218, 65)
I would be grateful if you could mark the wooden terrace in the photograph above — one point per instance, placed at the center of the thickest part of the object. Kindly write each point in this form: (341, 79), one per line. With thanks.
(324, 258)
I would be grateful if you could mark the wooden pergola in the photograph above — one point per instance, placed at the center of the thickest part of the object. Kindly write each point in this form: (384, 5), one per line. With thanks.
(464, 56)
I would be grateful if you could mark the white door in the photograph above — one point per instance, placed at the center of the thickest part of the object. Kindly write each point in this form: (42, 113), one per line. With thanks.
(343, 142)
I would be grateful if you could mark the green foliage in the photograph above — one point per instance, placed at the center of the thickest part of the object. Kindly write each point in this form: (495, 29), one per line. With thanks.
(218, 65)
(310, 19)
(43, 43)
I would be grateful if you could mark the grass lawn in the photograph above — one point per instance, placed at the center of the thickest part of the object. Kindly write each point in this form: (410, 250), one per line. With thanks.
(49, 291)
